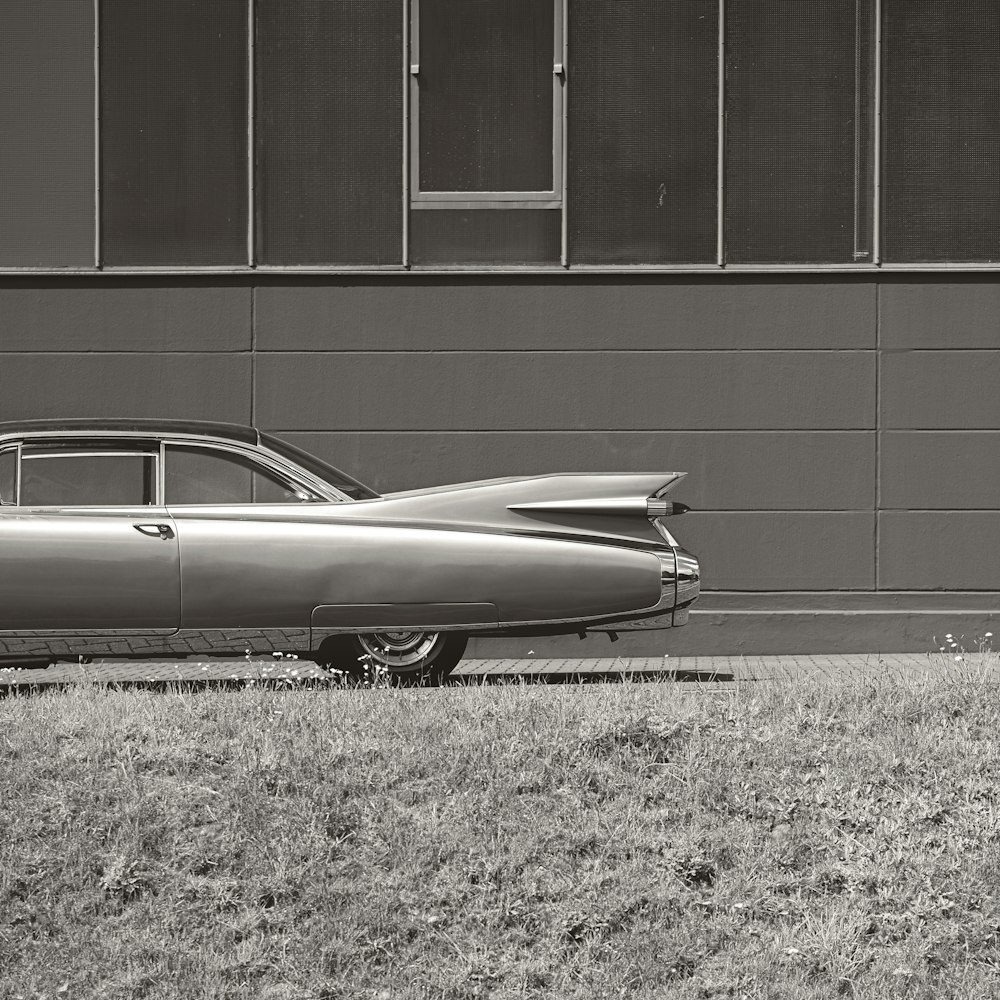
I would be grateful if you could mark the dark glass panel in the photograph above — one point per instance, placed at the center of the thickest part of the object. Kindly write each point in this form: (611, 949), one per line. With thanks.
(485, 236)
(347, 485)
(174, 131)
(643, 126)
(799, 104)
(205, 476)
(47, 130)
(486, 95)
(329, 132)
(941, 121)
(88, 480)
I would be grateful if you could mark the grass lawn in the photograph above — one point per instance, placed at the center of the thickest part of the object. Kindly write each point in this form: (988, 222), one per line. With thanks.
(769, 841)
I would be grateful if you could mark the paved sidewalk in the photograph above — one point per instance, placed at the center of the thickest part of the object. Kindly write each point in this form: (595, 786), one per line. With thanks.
(687, 669)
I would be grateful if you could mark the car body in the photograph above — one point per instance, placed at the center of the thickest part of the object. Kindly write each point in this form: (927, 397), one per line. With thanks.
(166, 539)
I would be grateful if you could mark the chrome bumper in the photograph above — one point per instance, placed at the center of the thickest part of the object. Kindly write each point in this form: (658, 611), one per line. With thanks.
(688, 575)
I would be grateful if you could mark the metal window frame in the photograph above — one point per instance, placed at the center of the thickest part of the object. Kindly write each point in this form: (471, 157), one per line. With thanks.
(720, 139)
(867, 59)
(132, 450)
(876, 255)
(251, 132)
(553, 198)
(859, 254)
(14, 450)
(265, 466)
(140, 443)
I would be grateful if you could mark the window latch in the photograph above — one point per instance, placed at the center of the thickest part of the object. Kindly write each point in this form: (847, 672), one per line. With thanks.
(414, 69)
(559, 70)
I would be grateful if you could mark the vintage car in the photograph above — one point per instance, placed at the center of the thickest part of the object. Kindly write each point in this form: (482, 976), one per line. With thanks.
(173, 539)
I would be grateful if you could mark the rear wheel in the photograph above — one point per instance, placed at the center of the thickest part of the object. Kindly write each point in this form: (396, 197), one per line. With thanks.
(409, 658)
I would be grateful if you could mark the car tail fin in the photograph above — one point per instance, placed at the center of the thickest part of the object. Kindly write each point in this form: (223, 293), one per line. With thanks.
(652, 506)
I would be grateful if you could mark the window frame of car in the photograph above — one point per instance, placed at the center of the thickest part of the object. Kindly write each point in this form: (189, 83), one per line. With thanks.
(84, 445)
(295, 476)
(154, 446)
(11, 448)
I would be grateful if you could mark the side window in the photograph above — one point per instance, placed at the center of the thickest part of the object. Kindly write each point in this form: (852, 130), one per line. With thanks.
(205, 476)
(8, 477)
(53, 476)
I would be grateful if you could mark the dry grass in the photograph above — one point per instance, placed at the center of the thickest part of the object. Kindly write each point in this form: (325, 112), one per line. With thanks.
(798, 841)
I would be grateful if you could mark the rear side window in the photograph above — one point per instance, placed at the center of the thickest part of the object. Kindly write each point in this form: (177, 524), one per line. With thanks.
(62, 477)
(205, 476)
(8, 477)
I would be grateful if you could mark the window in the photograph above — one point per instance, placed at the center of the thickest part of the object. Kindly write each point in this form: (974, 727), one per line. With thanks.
(643, 132)
(233, 134)
(329, 124)
(799, 131)
(99, 476)
(941, 115)
(8, 477)
(173, 132)
(486, 95)
(340, 481)
(486, 131)
(205, 476)
(47, 133)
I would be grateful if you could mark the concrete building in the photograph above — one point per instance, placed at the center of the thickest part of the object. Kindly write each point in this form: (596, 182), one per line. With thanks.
(442, 240)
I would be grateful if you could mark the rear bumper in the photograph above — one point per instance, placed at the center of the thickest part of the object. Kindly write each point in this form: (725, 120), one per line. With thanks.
(688, 579)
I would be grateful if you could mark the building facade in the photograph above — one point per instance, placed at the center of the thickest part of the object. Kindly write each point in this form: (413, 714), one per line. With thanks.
(443, 240)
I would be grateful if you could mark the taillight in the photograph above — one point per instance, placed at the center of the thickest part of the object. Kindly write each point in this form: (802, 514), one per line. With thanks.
(655, 507)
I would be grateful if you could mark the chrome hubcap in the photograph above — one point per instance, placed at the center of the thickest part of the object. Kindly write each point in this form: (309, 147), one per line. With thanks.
(399, 649)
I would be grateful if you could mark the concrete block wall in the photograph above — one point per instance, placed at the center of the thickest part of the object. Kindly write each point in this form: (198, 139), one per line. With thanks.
(841, 432)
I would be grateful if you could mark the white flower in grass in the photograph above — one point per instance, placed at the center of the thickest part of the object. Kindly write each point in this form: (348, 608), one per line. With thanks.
(958, 659)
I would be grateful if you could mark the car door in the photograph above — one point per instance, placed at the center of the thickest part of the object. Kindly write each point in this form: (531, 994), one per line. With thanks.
(244, 549)
(86, 547)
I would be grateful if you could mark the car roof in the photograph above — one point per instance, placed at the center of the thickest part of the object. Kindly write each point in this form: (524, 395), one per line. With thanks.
(125, 425)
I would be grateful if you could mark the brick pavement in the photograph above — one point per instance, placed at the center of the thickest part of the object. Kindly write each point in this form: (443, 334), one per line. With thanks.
(717, 669)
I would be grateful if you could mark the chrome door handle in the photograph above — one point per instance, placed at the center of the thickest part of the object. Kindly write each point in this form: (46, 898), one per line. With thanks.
(155, 530)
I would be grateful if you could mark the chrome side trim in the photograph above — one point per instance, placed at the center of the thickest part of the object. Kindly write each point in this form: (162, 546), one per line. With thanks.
(608, 505)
